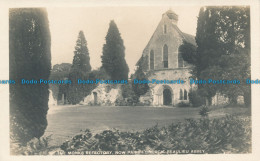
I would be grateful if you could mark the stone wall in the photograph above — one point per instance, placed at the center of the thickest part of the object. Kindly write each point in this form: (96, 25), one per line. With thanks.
(103, 95)
(219, 99)
(172, 39)
(156, 90)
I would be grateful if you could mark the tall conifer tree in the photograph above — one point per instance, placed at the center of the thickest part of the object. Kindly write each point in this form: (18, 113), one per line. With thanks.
(81, 55)
(113, 58)
(30, 58)
(79, 70)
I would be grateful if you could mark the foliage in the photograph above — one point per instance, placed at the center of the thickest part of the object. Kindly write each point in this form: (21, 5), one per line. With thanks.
(81, 56)
(75, 92)
(30, 58)
(93, 75)
(223, 51)
(127, 90)
(139, 89)
(34, 147)
(99, 74)
(231, 134)
(204, 111)
(113, 58)
(79, 70)
(143, 63)
(196, 99)
(129, 98)
(59, 72)
(188, 51)
(183, 104)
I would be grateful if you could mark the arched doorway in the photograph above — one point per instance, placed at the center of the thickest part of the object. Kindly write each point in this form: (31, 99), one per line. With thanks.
(167, 97)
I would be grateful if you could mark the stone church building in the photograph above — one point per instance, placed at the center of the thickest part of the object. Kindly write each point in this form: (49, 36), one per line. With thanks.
(164, 62)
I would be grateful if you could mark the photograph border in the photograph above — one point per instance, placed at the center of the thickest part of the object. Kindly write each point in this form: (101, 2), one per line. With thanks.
(255, 74)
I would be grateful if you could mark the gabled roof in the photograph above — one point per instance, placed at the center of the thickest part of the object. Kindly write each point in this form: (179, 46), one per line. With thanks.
(187, 37)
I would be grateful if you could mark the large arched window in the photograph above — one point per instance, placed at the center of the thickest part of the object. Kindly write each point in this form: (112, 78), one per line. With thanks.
(181, 94)
(151, 60)
(185, 95)
(165, 56)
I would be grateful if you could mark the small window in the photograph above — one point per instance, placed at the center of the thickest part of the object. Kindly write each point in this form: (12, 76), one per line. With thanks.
(181, 94)
(151, 60)
(185, 95)
(165, 56)
(164, 29)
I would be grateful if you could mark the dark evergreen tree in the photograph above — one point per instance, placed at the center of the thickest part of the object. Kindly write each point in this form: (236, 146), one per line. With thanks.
(79, 70)
(81, 56)
(30, 58)
(113, 58)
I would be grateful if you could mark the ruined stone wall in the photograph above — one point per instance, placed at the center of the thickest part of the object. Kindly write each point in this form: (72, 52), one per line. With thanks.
(156, 90)
(103, 95)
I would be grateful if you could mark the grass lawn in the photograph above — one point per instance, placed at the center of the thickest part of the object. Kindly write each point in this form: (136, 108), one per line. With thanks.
(66, 121)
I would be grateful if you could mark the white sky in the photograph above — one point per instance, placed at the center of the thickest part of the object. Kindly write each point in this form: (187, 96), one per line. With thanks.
(136, 25)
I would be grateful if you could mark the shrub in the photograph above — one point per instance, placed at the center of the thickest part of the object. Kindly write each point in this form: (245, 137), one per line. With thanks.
(204, 111)
(142, 104)
(34, 147)
(129, 97)
(59, 72)
(131, 101)
(183, 104)
(231, 134)
(196, 99)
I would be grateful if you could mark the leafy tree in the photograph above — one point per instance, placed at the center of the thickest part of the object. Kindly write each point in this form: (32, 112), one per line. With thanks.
(80, 68)
(128, 94)
(223, 51)
(30, 58)
(76, 92)
(235, 40)
(195, 98)
(113, 58)
(59, 72)
(188, 52)
(140, 89)
(93, 75)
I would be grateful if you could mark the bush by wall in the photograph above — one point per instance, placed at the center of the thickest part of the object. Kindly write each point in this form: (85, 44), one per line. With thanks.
(183, 104)
(196, 99)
